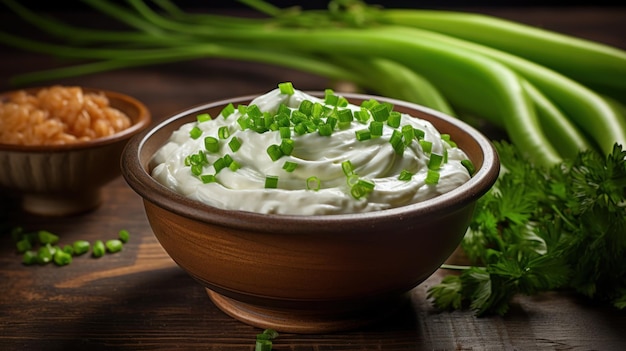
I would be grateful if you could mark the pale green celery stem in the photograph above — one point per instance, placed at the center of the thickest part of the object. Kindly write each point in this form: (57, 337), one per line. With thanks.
(599, 65)
(589, 111)
(392, 79)
(568, 140)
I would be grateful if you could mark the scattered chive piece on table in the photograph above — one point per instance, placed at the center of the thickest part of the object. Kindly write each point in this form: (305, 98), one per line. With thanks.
(124, 235)
(98, 249)
(113, 245)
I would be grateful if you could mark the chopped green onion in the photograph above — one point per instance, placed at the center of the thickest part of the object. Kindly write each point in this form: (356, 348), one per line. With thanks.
(376, 128)
(408, 132)
(254, 111)
(286, 146)
(285, 132)
(228, 110)
(330, 98)
(197, 169)
(275, 152)
(124, 235)
(352, 179)
(469, 166)
(432, 177)
(313, 183)
(211, 144)
(98, 249)
(23, 245)
(114, 245)
(362, 115)
(347, 168)
(80, 247)
(286, 88)
(68, 249)
(419, 134)
(427, 146)
(361, 188)
(318, 110)
(29, 257)
(45, 254)
(405, 175)
(380, 112)
(435, 161)
(396, 142)
(271, 182)
(290, 166)
(363, 134)
(208, 178)
(234, 144)
(223, 132)
(234, 166)
(203, 117)
(446, 138)
(394, 119)
(195, 132)
(45, 237)
(306, 107)
(325, 130)
(220, 164)
(62, 258)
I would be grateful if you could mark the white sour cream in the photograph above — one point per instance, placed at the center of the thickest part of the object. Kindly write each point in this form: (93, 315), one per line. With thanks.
(374, 160)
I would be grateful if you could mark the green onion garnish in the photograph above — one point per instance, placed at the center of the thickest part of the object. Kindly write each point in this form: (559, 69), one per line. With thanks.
(432, 177)
(290, 166)
(234, 144)
(394, 119)
(427, 146)
(286, 88)
(203, 117)
(380, 112)
(325, 130)
(211, 144)
(228, 110)
(208, 178)
(274, 152)
(376, 128)
(469, 166)
(361, 188)
(285, 132)
(435, 161)
(313, 183)
(363, 134)
(223, 132)
(220, 164)
(405, 175)
(271, 182)
(347, 167)
(234, 165)
(195, 132)
(286, 146)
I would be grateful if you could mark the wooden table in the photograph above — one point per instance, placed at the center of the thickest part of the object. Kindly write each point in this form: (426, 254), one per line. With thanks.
(139, 299)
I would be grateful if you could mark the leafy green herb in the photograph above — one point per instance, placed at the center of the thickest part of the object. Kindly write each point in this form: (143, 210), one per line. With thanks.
(544, 228)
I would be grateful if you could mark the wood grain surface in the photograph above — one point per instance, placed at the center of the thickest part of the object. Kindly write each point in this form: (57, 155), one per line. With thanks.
(139, 299)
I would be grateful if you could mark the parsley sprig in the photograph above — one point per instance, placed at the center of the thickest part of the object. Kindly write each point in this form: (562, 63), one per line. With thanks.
(541, 229)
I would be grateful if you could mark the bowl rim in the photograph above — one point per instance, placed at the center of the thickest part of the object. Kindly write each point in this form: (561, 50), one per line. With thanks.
(144, 119)
(154, 192)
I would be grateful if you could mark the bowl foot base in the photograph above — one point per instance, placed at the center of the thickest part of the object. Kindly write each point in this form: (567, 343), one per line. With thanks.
(61, 204)
(313, 320)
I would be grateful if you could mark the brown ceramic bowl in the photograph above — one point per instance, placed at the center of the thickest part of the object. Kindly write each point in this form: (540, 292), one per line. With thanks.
(62, 180)
(309, 274)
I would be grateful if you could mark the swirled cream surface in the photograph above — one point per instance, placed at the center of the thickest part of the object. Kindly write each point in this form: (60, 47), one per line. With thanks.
(326, 163)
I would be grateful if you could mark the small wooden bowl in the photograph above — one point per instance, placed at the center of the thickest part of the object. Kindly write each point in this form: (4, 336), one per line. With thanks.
(62, 180)
(309, 274)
